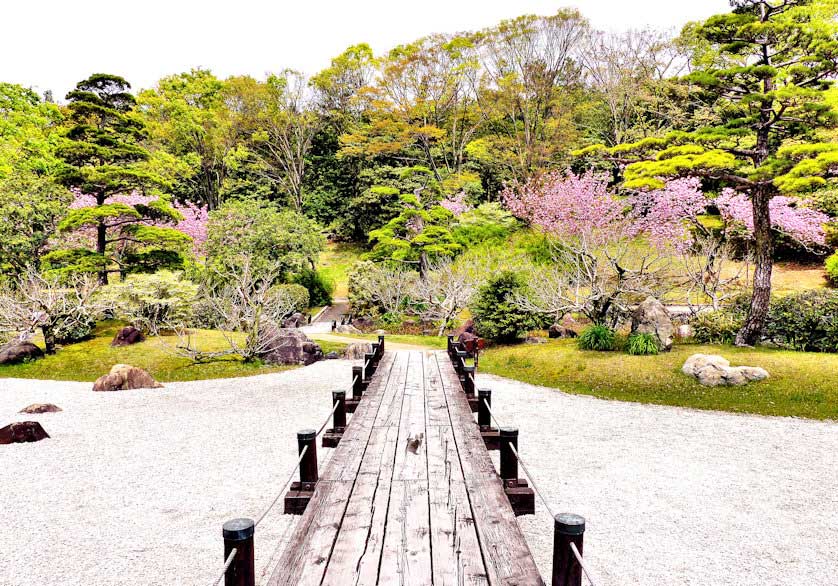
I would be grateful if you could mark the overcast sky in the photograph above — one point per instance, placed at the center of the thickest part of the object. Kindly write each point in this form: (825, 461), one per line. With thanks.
(52, 44)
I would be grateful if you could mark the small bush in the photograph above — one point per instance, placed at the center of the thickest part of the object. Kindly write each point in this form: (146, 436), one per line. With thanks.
(806, 321)
(319, 288)
(150, 302)
(69, 329)
(717, 327)
(496, 315)
(642, 345)
(597, 337)
(832, 269)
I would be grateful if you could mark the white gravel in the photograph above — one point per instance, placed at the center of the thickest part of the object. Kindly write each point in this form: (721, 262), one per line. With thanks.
(134, 486)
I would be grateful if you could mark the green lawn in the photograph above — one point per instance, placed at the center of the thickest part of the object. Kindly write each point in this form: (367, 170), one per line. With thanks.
(335, 263)
(801, 384)
(88, 360)
(431, 342)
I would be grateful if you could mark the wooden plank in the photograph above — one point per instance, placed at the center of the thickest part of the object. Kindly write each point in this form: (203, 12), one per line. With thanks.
(411, 456)
(507, 558)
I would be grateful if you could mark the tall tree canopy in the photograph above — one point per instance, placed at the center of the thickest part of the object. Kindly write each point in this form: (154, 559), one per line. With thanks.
(768, 66)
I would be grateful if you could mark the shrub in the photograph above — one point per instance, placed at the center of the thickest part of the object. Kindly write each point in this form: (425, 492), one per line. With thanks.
(642, 344)
(832, 269)
(150, 302)
(297, 294)
(717, 327)
(496, 315)
(73, 328)
(806, 321)
(319, 288)
(488, 222)
(597, 337)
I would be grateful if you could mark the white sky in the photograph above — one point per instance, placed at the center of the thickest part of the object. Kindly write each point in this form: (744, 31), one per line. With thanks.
(52, 44)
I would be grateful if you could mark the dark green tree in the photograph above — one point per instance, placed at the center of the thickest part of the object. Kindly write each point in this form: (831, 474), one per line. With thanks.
(104, 159)
(496, 314)
(765, 71)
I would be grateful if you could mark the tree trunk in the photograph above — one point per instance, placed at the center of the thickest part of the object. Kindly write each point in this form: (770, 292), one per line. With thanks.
(423, 266)
(49, 339)
(763, 265)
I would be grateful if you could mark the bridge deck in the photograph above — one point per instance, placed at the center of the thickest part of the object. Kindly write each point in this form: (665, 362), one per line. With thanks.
(410, 495)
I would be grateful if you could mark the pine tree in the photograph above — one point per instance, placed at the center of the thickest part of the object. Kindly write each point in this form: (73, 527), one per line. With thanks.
(772, 63)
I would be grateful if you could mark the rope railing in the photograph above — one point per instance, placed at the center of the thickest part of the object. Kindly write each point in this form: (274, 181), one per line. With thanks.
(532, 481)
(582, 563)
(491, 413)
(284, 486)
(328, 417)
(227, 563)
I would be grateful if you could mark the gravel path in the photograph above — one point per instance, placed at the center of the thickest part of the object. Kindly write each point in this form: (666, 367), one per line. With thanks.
(134, 486)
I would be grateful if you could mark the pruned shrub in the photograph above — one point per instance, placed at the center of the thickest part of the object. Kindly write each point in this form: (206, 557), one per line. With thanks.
(152, 302)
(74, 328)
(639, 344)
(597, 337)
(717, 327)
(832, 269)
(806, 321)
(496, 314)
(296, 294)
(319, 288)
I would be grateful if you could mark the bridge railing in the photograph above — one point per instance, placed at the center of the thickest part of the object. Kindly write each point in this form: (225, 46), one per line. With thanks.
(568, 529)
(238, 534)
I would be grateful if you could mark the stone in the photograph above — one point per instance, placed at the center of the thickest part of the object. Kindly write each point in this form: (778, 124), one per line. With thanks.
(124, 377)
(332, 355)
(712, 370)
(17, 352)
(288, 346)
(651, 317)
(560, 331)
(127, 336)
(347, 329)
(684, 331)
(380, 332)
(363, 323)
(40, 408)
(535, 340)
(296, 320)
(467, 327)
(356, 351)
(22, 432)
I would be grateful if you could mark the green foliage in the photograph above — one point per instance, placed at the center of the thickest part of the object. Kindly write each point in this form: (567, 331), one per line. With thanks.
(298, 294)
(642, 344)
(597, 337)
(257, 229)
(69, 329)
(806, 321)
(496, 315)
(832, 269)
(717, 327)
(152, 302)
(489, 222)
(318, 288)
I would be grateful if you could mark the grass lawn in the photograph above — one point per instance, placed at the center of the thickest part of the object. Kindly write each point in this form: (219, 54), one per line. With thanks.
(335, 263)
(801, 384)
(430, 342)
(88, 360)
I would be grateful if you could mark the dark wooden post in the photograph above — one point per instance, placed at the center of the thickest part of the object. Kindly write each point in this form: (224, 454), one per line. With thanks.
(308, 467)
(508, 461)
(334, 325)
(380, 346)
(238, 534)
(484, 418)
(468, 380)
(569, 529)
(339, 418)
(357, 381)
(460, 361)
(369, 360)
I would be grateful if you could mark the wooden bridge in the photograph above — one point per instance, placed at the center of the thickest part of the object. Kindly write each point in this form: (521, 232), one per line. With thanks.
(410, 495)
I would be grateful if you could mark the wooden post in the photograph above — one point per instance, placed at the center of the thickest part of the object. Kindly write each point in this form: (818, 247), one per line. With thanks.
(380, 346)
(308, 467)
(468, 380)
(369, 360)
(451, 347)
(484, 418)
(569, 529)
(238, 534)
(332, 437)
(358, 381)
(508, 461)
(334, 325)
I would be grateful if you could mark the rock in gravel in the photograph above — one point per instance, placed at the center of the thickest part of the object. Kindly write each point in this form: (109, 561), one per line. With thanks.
(22, 432)
(332, 355)
(712, 370)
(41, 408)
(295, 321)
(17, 352)
(124, 377)
(356, 351)
(651, 317)
(347, 329)
(288, 346)
(127, 336)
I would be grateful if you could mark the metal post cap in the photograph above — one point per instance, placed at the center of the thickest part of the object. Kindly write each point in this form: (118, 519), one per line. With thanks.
(306, 434)
(338, 394)
(484, 392)
(469, 368)
(238, 529)
(570, 524)
(509, 432)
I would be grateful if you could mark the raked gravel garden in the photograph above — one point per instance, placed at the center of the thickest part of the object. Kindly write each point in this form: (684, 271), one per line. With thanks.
(133, 486)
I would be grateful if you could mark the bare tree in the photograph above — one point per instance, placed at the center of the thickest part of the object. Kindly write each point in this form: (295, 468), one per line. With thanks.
(38, 301)
(445, 292)
(710, 272)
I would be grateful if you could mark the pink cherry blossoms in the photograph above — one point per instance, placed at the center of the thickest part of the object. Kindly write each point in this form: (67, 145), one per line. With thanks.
(789, 216)
(665, 214)
(456, 204)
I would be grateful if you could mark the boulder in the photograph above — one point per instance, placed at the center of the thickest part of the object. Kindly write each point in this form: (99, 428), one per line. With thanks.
(347, 329)
(712, 370)
(127, 336)
(288, 346)
(22, 432)
(296, 320)
(467, 327)
(651, 317)
(357, 350)
(40, 408)
(332, 355)
(534, 340)
(380, 332)
(560, 331)
(124, 377)
(363, 323)
(17, 352)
